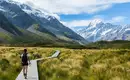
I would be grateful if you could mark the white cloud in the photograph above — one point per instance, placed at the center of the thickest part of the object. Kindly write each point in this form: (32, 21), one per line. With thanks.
(55, 7)
(79, 23)
(76, 23)
(84, 23)
(73, 6)
(117, 19)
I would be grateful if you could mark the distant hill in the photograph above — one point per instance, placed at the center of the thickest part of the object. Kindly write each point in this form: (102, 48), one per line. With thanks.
(117, 44)
(10, 34)
(38, 22)
(7, 30)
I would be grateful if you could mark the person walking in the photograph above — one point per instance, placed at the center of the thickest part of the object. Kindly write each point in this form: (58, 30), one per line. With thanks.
(25, 62)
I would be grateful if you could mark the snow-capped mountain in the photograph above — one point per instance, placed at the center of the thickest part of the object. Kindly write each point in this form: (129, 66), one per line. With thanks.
(36, 12)
(49, 22)
(26, 17)
(97, 30)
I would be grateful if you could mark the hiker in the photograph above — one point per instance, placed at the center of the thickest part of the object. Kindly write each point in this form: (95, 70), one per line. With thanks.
(25, 62)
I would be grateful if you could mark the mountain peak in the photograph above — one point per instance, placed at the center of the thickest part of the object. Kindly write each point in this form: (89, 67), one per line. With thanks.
(95, 22)
(97, 30)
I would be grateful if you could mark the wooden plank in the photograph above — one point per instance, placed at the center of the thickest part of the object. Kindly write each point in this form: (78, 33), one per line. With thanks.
(56, 54)
(33, 70)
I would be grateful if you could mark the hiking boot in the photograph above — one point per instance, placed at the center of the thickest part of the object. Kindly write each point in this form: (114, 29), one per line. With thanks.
(25, 75)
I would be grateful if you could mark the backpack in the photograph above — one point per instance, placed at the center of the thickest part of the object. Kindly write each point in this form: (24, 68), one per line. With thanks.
(24, 58)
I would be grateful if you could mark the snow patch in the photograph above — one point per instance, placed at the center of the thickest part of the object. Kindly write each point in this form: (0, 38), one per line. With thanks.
(2, 9)
(104, 33)
(94, 22)
(128, 29)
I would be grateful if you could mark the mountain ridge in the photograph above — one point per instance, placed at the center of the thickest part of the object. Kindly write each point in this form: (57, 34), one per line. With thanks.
(104, 31)
(46, 25)
(51, 24)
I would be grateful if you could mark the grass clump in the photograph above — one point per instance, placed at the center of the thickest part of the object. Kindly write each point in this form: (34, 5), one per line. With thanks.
(71, 64)
(10, 62)
(85, 64)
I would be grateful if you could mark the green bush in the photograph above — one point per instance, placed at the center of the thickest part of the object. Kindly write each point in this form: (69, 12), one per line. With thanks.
(4, 64)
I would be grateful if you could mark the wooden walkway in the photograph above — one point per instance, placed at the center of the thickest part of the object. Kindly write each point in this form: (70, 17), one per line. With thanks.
(33, 70)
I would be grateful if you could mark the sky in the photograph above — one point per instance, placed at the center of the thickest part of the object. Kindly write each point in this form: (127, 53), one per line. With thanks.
(79, 13)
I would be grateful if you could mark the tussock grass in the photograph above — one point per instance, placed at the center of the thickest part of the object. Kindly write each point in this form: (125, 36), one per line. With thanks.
(10, 62)
(71, 64)
(85, 64)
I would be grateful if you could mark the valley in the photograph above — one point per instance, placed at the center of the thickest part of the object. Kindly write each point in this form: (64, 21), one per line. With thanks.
(92, 42)
(31, 25)
(72, 64)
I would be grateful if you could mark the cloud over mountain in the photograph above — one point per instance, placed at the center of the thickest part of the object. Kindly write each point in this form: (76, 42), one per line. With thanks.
(73, 6)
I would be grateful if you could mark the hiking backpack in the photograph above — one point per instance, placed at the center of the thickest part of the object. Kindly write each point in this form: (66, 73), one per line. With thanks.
(24, 58)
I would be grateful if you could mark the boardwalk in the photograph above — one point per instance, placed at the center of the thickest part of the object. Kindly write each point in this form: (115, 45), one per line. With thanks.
(33, 70)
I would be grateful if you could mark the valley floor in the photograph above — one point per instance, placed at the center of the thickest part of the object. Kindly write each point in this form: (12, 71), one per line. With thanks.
(72, 64)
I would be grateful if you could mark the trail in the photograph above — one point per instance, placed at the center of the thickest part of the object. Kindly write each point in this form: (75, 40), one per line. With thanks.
(33, 69)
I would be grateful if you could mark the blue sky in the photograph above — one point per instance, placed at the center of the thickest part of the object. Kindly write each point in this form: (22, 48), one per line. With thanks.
(121, 11)
(117, 10)
(75, 13)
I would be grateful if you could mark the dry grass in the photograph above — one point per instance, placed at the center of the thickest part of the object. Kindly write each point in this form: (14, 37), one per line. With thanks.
(72, 64)
(83, 64)
(10, 63)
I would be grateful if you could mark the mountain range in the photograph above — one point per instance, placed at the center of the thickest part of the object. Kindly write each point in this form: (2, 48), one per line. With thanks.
(21, 23)
(98, 31)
